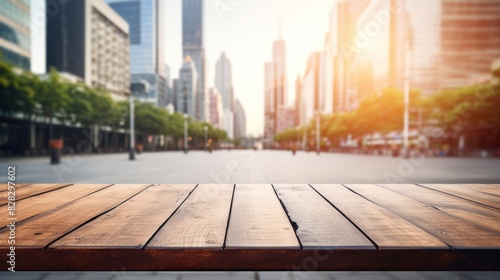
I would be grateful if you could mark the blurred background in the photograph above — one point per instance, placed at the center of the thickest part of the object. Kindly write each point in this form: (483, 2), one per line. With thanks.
(383, 90)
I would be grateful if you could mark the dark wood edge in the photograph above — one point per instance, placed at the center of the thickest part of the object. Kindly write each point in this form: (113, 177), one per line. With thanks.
(289, 260)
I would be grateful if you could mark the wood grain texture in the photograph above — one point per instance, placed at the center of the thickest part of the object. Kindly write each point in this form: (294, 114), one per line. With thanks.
(45, 228)
(3, 187)
(35, 205)
(257, 260)
(489, 189)
(455, 232)
(319, 224)
(131, 224)
(472, 195)
(31, 190)
(460, 208)
(200, 222)
(258, 220)
(386, 229)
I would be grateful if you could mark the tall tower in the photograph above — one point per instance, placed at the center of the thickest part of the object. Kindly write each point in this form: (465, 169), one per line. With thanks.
(145, 19)
(15, 31)
(224, 84)
(275, 90)
(192, 46)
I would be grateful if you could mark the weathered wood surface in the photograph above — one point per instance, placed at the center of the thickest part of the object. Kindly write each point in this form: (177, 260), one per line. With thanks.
(30, 190)
(255, 227)
(468, 194)
(201, 221)
(386, 229)
(258, 220)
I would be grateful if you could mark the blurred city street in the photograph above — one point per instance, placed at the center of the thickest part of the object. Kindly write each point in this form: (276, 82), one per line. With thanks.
(249, 166)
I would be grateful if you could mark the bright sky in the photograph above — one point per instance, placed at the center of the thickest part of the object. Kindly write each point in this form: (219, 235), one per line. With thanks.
(245, 32)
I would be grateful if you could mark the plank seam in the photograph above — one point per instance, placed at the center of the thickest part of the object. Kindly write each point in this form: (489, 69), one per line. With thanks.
(482, 204)
(164, 222)
(229, 217)
(345, 216)
(94, 218)
(60, 206)
(430, 233)
(63, 186)
(293, 223)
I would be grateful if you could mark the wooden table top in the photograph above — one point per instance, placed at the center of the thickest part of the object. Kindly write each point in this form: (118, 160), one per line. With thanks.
(254, 227)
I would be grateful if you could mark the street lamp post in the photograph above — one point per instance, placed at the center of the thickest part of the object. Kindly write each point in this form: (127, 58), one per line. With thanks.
(132, 128)
(142, 87)
(317, 132)
(185, 133)
(205, 129)
(406, 117)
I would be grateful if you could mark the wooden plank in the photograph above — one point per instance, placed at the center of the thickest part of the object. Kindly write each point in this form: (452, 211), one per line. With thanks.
(258, 221)
(319, 224)
(131, 224)
(3, 187)
(464, 209)
(386, 229)
(200, 222)
(472, 195)
(489, 189)
(31, 190)
(455, 232)
(35, 205)
(256, 260)
(45, 228)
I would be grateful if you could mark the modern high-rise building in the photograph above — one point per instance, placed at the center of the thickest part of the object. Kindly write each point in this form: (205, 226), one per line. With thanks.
(240, 120)
(470, 32)
(270, 111)
(15, 33)
(88, 39)
(224, 85)
(216, 109)
(309, 102)
(381, 43)
(192, 45)
(146, 23)
(343, 30)
(275, 89)
(187, 89)
(425, 19)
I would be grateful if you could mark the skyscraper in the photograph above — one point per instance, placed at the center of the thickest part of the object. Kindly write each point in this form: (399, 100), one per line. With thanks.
(146, 23)
(216, 115)
(275, 89)
(224, 85)
(15, 33)
(470, 32)
(240, 120)
(187, 89)
(343, 29)
(90, 40)
(192, 46)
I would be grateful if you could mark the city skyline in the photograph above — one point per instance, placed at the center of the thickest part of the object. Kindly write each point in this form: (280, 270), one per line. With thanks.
(221, 31)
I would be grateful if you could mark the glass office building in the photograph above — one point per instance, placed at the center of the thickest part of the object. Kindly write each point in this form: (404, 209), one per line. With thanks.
(146, 21)
(15, 41)
(192, 46)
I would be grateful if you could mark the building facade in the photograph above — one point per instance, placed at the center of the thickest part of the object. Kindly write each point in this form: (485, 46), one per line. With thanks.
(187, 89)
(309, 102)
(90, 40)
(240, 120)
(146, 23)
(216, 109)
(224, 85)
(193, 46)
(470, 32)
(275, 89)
(15, 33)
